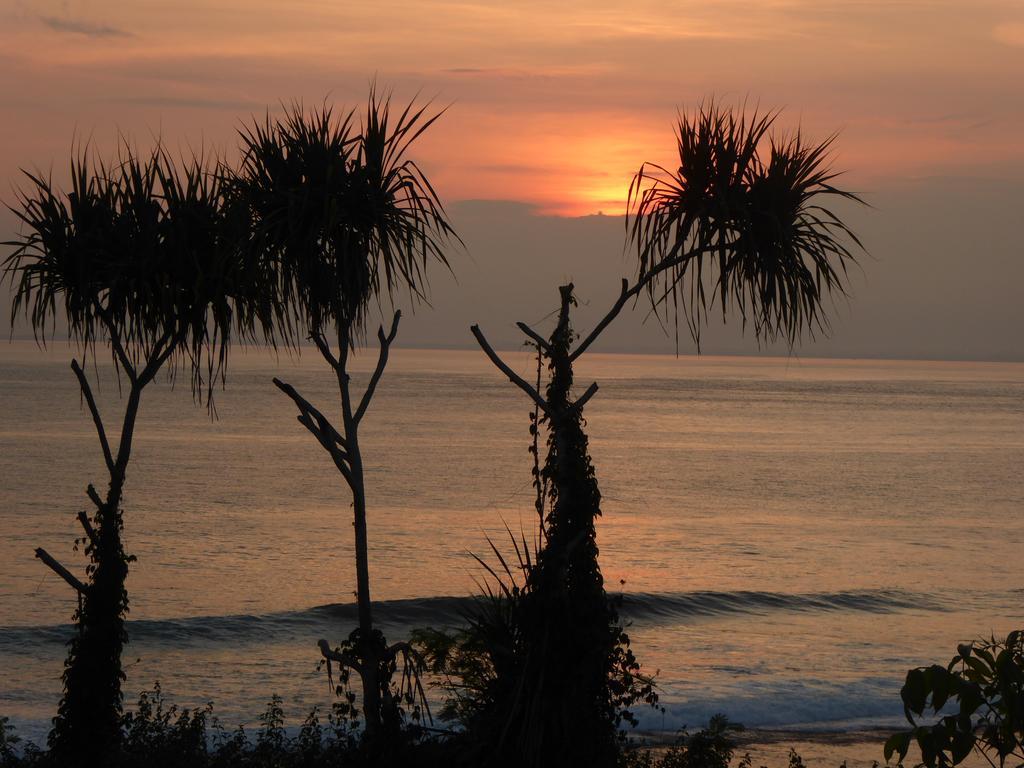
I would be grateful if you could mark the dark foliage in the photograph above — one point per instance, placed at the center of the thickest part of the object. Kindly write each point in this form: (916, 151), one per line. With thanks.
(342, 213)
(711, 747)
(137, 253)
(403, 705)
(162, 735)
(741, 221)
(983, 685)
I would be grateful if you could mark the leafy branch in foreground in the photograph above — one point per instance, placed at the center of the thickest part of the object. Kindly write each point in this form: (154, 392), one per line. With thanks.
(984, 686)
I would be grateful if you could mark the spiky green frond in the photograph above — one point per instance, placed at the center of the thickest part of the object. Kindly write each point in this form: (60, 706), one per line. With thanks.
(742, 222)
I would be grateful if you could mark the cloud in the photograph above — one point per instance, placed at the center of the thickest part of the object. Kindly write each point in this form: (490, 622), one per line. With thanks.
(536, 169)
(189, 103)
(85, 28)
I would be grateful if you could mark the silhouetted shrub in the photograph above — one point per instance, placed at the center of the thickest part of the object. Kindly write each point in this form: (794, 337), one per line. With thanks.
(711, 747)
(162, 735)
(482, 669)
(985, 682)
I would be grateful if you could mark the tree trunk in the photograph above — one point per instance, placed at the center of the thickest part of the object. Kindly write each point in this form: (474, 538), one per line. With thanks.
(369, 645)
(567, 621)
(87, 729)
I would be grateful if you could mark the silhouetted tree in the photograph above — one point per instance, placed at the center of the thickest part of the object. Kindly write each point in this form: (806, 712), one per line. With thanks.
(740, 223)
(348, 219)
(138, 256)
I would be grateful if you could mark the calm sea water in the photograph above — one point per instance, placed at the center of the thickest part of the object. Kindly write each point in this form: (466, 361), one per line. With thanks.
(792, 535)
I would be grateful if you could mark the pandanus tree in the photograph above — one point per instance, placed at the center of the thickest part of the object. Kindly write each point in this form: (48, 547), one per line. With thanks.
(349, 220)
(137, 255)
(742, 224)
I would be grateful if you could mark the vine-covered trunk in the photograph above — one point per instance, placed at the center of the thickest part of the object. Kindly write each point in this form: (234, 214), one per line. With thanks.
(87, 729)
(569, 628)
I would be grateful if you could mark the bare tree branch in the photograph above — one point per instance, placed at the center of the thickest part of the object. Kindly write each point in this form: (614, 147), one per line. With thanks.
(94, 497)
(325, 349)
(115, 343)
(624, 296)
(591, 391)
(61, 571)
(306, 407)
(675, 258)
(83, 384)
(382, 361)
(87, 526)
(162, 351)
(341, 658)
(537, 338)
(502, 366)
(321, 429)
(339, 456)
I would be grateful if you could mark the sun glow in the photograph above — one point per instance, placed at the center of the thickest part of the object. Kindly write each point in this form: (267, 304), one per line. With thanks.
(563, 165)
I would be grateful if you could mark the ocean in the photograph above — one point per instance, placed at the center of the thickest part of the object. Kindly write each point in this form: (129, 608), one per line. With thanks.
(790, 536)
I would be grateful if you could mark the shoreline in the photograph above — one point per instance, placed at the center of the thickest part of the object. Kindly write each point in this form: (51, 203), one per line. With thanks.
(770, 747)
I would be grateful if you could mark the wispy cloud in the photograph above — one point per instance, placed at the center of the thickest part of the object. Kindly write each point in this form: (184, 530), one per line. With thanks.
(189, 102)
(86, 28)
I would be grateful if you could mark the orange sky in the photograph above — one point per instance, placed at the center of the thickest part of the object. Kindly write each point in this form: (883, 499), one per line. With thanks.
(553, 104)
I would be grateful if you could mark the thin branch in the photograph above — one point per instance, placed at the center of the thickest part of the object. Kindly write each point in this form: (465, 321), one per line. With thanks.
(674, 259)
(591, 391)
(341, 658)
(116, 345)
(404, 647)
(503, 367)
(325, 349)
(61, 571)
(624, 296)
(537, 338)
(87, 526)
(165, 346)
(322, 429)
(306, 407)
(382, 361)
(94, 497)
(339, 457)
(83, 383)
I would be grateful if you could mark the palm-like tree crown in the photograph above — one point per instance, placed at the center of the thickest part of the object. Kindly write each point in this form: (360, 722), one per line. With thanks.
(741, 222)
(137, 253)
(343, 216)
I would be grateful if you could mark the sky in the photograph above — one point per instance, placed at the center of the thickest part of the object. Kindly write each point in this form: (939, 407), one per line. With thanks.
(552, 107)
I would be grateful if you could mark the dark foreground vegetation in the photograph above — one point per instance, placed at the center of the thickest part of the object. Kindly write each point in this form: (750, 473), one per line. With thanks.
(160, 735)
(976, 702)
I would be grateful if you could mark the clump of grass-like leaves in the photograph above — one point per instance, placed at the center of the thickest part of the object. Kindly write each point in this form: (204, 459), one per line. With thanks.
(340, 209)
(140, 252)
(742, 222)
